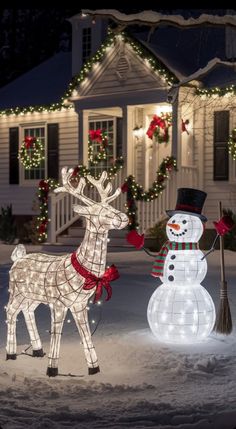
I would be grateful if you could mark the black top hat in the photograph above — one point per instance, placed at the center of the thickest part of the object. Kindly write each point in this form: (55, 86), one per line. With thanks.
(189, 201)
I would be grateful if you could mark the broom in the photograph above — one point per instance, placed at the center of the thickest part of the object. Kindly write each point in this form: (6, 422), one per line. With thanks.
(223, 323)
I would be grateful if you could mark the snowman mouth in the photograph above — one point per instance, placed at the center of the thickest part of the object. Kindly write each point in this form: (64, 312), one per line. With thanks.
(178, 235)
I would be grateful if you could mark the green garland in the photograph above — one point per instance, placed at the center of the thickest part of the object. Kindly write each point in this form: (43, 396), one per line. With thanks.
(142, 51)
(42, 220)
(135, 191)
(232, 144)
(155, 64)
(82, 171)
(220, 92)
(79, 171)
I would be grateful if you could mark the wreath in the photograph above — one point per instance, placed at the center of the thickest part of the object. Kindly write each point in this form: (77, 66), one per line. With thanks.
(98, 136)
(31, 152)
(232, 144)
(159, 127)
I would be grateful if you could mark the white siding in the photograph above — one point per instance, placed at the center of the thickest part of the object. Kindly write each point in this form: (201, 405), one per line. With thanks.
(224, 191)
(104, 79)
(21, 197)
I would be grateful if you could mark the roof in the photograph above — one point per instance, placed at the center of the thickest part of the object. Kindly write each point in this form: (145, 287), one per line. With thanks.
(221, 76)
(44, 84)
(185, 50)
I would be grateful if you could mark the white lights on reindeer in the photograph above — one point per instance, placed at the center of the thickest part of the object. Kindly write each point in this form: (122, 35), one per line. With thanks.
(68, 281)
(181, 310)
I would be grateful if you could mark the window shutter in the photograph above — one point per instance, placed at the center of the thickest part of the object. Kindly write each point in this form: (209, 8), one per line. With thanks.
(221, 154)
(119, 127)
(13, 156)
(53, 151)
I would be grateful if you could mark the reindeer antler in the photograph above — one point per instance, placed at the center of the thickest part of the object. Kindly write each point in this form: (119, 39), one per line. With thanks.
(104, 191)
(67, 186)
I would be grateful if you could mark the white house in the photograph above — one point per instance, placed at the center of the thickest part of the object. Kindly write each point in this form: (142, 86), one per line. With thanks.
(121, 80)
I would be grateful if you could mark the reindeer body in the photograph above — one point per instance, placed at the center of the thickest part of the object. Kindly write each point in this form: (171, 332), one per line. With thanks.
(40, 278)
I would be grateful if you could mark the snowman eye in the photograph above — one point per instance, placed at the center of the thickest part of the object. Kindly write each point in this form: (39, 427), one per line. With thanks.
(184, 221)
(173, 221)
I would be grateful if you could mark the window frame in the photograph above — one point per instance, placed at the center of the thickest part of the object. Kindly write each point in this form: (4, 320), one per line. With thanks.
(22, 127)
(96, 168)
(86, 44)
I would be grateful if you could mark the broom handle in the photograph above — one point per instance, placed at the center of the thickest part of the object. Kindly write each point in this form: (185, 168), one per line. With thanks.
(222, 260)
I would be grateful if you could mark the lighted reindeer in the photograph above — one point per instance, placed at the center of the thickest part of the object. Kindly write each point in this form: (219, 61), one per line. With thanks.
(68, 281)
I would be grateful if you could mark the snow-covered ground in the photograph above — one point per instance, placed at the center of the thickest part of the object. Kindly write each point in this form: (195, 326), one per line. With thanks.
(142, 382)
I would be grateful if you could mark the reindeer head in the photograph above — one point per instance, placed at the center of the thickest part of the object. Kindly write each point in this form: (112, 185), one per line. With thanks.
(100, 215)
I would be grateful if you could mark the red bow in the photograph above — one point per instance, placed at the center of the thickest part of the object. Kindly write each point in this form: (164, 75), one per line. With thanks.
(91, 280)
(96, 135)
(29, 141)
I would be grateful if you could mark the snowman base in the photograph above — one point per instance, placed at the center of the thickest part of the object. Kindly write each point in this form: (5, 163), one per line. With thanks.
(181, 315)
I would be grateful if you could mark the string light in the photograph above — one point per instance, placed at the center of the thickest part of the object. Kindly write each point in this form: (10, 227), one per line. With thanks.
(31, 153)
(220, 92)
(135, 191)
(67, 281)
(232, 144)
(110, 41)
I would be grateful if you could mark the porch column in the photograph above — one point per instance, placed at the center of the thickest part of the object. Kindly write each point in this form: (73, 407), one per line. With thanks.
(175, 150)
(83, 136)
(127, 137)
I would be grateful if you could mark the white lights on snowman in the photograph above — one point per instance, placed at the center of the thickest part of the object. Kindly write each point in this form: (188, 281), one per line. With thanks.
(181, 310)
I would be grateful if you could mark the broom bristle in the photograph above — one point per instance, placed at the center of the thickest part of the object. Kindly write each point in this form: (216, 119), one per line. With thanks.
(223, 323)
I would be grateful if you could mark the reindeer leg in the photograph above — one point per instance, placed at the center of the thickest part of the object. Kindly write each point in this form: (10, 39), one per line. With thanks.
(13, 309)
(32, 329)
(81, 320)
(58, 314)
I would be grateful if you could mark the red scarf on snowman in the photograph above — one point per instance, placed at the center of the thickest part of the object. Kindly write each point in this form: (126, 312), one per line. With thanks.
(158, 265)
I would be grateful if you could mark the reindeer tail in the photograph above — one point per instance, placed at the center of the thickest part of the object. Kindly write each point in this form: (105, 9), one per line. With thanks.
(18, 252)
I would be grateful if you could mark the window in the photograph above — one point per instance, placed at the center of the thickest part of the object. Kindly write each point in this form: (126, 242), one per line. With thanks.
(39, 172)
(86, 43)
(108, 127)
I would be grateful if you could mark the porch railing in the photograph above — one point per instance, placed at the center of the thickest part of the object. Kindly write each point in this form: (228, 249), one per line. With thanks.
(62, 215)
(61, 205)
(151, 212)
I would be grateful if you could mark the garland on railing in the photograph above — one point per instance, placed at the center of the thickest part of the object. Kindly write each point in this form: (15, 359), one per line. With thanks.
(232, 144)
(42, 220)
(135, 191)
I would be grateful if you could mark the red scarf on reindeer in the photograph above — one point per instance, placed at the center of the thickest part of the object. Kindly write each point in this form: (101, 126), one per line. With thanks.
(91, 280)
(158, 265)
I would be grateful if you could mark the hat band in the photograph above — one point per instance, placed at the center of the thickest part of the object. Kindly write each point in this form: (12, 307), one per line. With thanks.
(188, 208)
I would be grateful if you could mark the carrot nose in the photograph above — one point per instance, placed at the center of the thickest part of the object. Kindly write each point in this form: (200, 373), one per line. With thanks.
(174, 226)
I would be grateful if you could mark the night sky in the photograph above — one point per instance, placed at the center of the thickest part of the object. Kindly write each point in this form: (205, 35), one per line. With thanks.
(30, 36)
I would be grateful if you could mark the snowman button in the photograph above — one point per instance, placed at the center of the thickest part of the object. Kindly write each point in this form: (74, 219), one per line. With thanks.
(172, 257)
(171, 278)
(171, 267)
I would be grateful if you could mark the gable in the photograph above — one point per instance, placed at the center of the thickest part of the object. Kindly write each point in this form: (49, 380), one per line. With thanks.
(122, 70)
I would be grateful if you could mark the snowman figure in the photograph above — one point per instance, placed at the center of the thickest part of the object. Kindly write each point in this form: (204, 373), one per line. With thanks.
(181, 310)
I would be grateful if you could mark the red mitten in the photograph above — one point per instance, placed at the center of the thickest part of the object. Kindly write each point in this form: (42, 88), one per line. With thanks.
(135, 239)
(224, 225)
